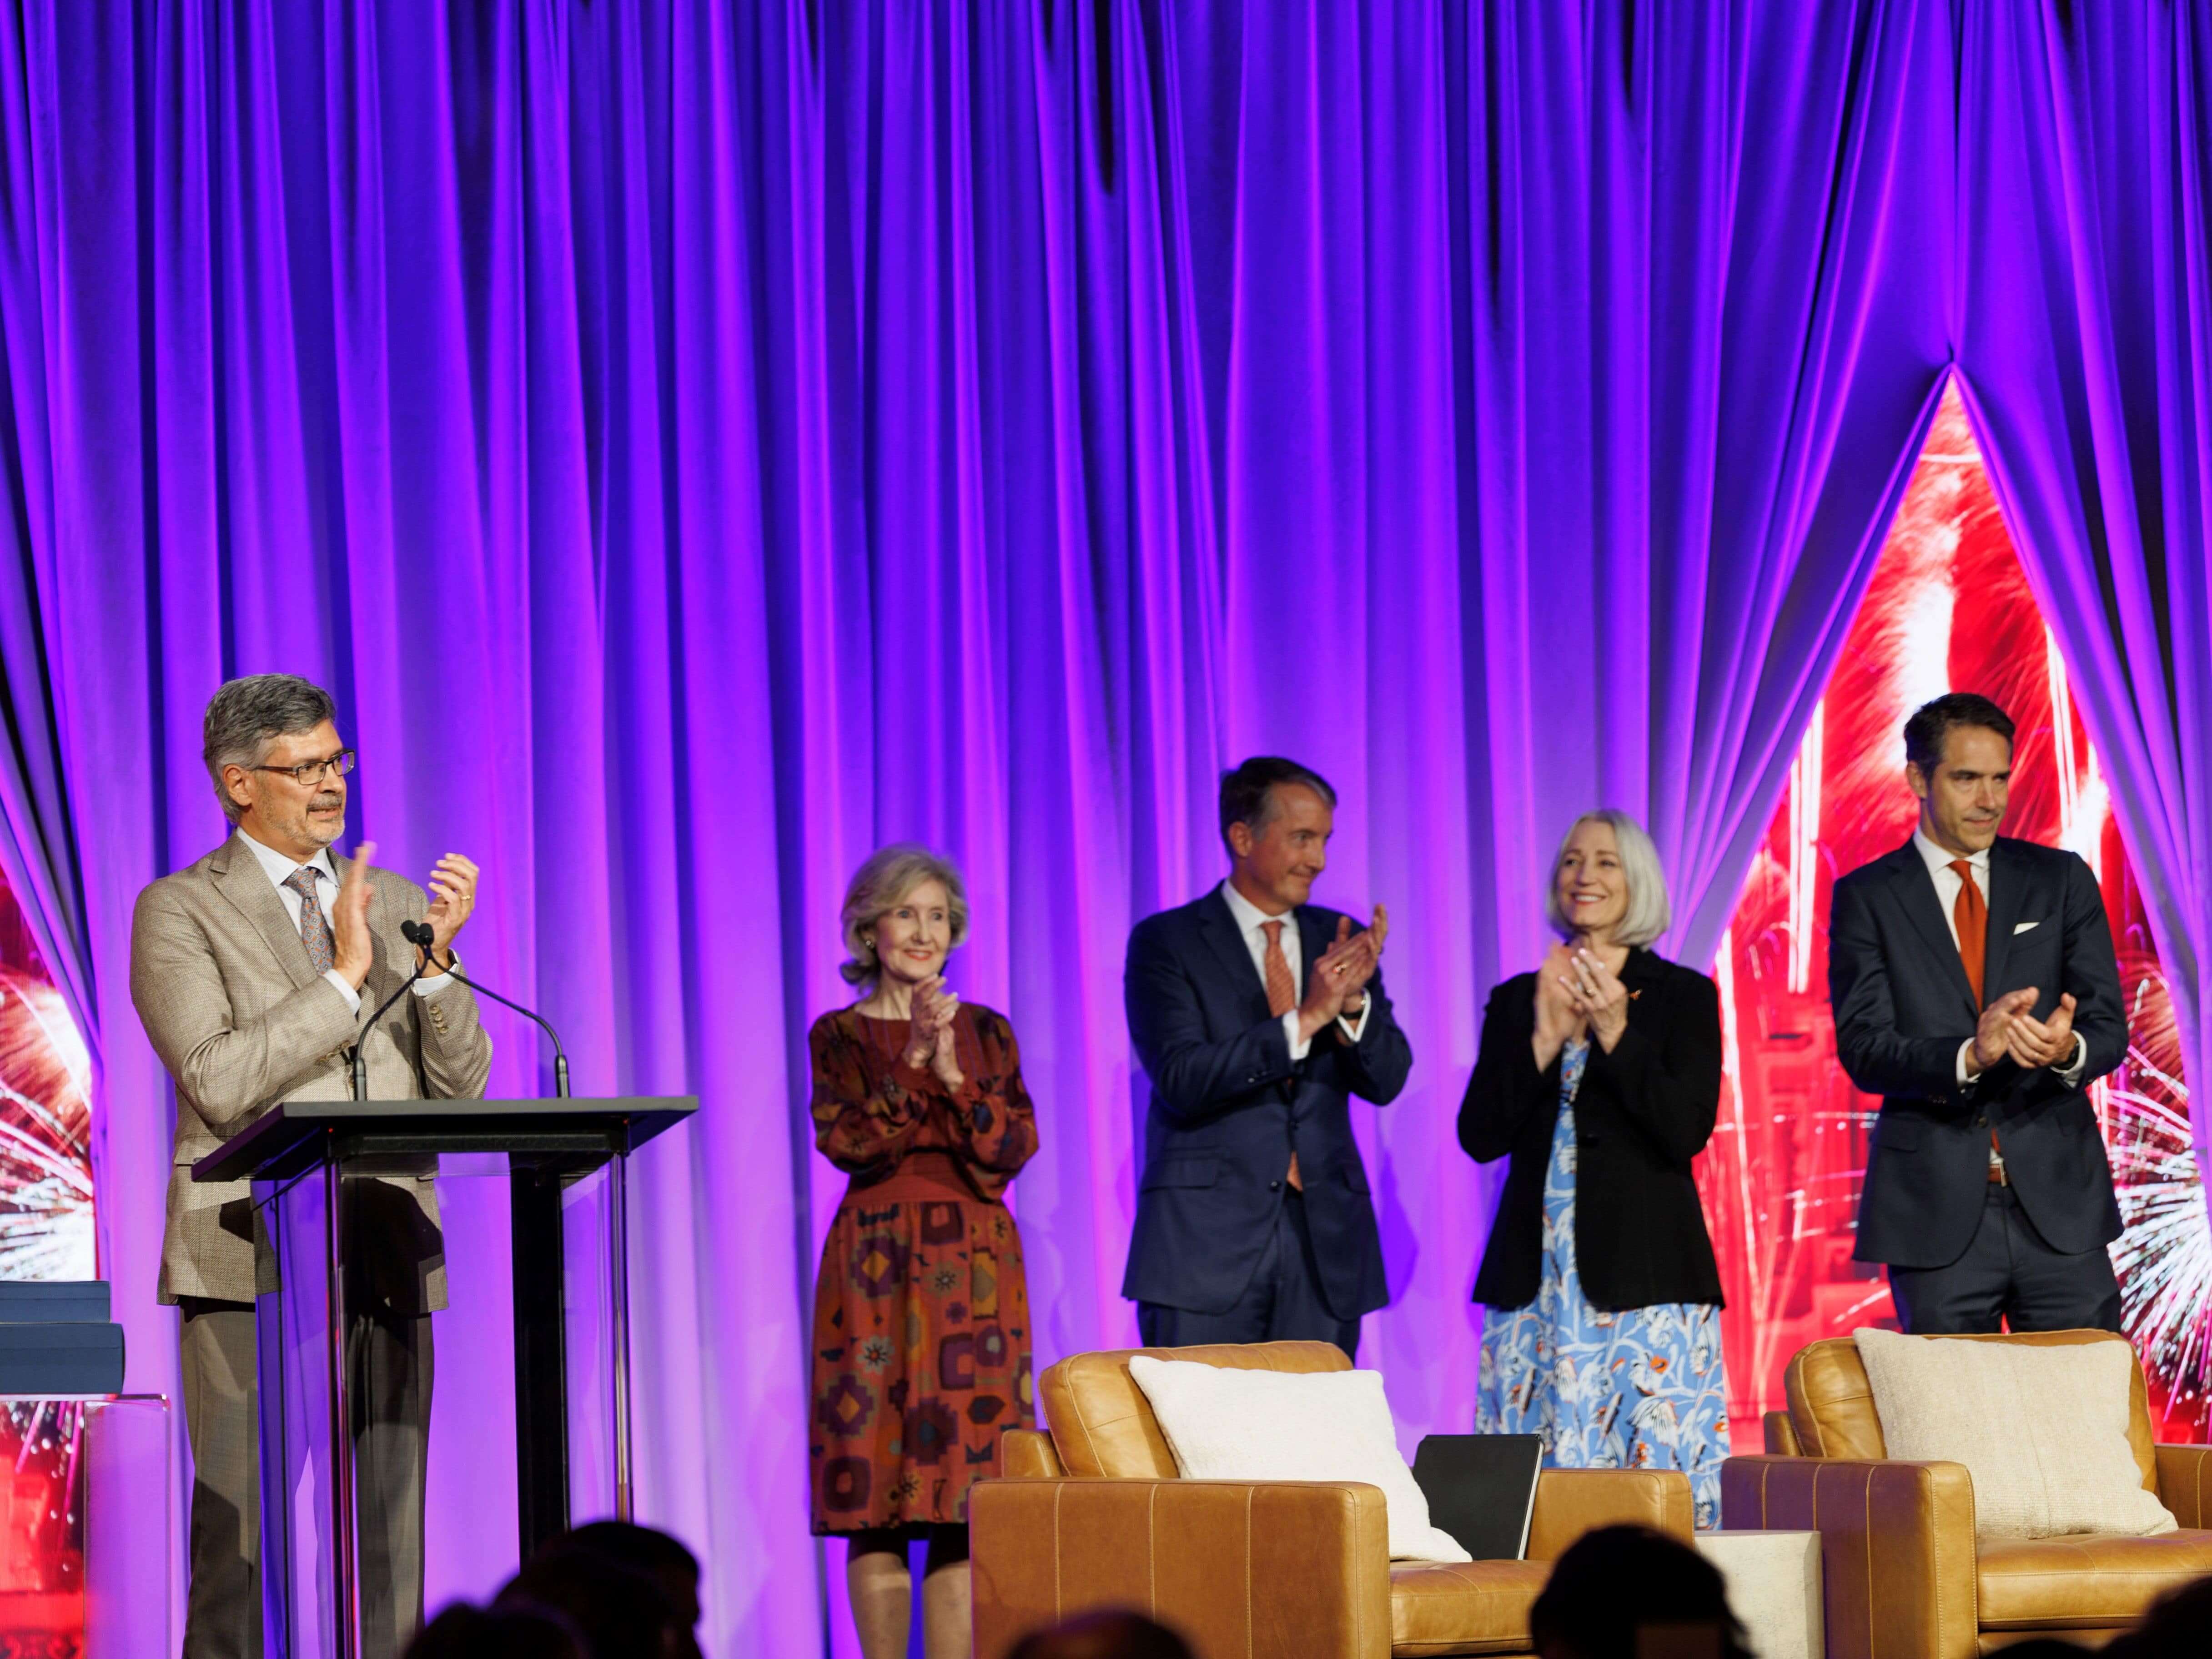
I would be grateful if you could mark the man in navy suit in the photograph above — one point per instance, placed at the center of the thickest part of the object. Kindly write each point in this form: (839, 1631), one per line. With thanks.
(1257, 1016)
(1975, 990)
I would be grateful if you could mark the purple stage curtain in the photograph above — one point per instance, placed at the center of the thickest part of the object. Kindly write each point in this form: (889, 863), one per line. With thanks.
(698, 443)
(406, 348)
(1555, 485)
(38, 845)
(2085, 357)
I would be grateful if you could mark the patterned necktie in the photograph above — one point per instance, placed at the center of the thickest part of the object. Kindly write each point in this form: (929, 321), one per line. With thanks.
(1969, 915)
(314, 926)
(1282, 994)
(1282, 997)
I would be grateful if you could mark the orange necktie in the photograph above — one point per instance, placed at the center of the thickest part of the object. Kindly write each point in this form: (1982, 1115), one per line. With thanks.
(1969, 915)
(1282, 997)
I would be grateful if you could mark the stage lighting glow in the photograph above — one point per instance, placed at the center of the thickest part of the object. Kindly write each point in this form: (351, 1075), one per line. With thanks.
(1948, 608)
(45, 1232)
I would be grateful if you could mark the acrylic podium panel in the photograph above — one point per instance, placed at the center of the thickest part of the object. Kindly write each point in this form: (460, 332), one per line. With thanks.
(84, 1546)
(472, 1449)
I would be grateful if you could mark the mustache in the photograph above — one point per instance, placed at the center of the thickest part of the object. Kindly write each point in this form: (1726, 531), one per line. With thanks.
(329, 797)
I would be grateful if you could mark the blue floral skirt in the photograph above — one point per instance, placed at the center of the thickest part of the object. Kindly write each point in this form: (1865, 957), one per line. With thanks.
(1638, 1388)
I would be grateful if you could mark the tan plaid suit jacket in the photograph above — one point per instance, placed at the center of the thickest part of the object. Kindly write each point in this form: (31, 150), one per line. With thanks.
(222, 982)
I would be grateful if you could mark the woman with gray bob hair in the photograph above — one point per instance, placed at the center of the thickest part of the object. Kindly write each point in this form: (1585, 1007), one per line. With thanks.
(921, 1319)
(1599, 1077)
(1648, 914)
(887, 876)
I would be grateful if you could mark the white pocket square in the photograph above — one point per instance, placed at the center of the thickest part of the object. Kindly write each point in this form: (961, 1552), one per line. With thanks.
(2022, 927)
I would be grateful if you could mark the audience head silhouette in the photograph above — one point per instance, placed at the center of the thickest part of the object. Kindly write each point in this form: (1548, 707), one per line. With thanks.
(1617, 1583)
(2178, 1624)
(660, 1557)
(518, 1630)
(620, 1611)
(1103, 1636)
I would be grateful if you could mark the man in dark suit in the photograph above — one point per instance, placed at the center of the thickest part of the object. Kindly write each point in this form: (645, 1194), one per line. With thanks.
(1254, 1222)
(1975, 990)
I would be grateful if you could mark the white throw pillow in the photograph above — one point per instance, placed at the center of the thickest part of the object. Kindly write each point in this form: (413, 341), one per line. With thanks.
(2043, 1431)
(1225, 1424)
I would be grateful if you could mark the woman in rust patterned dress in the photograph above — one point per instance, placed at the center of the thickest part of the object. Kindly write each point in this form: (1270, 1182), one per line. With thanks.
(921, 1326)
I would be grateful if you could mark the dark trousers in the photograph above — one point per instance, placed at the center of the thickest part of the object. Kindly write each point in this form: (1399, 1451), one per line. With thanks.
(390, 1367)
(1284, 1302)
(2008, 1273)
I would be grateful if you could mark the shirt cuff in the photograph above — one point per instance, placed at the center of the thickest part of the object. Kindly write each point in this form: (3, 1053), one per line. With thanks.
(2070, 1073)
(1298, 1044)
(337, 983)
(443, 983)
(1965, 1050)
(1352, 1028)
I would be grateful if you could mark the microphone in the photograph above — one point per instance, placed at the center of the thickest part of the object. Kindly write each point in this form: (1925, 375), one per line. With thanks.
(361, 1044)
(420, 935)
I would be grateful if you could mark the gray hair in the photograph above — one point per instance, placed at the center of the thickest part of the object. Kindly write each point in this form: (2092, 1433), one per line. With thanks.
(889, 874)
(245, 715)
(1649, 913)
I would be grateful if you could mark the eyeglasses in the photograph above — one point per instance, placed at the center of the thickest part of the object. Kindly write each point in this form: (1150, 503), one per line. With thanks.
(308, 774)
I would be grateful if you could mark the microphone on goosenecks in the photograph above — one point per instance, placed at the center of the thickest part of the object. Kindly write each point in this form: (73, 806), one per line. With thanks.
(419, 935)
(422, 937)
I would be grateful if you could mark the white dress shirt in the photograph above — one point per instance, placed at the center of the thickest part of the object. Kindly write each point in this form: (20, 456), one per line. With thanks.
(1251, 921)
(1947, 879)
(280, 869)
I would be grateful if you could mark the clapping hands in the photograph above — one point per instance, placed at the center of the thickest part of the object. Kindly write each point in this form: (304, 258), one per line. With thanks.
(1558, 1022)
(1597, 996)
(929, 1041)
(2036, 1042)
(1577, 993)
(2007, 1028)
(1336, 985)
(353, 948)
(452, 897)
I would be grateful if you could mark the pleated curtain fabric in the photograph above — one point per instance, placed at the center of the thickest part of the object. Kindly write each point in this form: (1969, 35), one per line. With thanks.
(714, 439)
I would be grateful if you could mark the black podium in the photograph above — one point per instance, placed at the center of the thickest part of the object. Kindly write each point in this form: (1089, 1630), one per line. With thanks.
(312, 1164)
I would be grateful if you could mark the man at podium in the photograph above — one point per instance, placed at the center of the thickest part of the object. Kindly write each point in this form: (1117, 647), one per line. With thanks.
(253, 970)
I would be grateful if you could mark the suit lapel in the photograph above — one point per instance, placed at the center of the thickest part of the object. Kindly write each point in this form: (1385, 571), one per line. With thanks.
(1639, 974)
(2008, 879)
(1218, 924)
(240, 878)
(1916, 891)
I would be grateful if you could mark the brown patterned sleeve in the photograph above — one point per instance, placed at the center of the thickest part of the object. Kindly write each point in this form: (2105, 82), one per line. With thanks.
(862, 1127)
(993, 1118)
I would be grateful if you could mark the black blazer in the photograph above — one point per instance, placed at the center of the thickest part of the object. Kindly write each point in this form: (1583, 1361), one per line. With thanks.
(1903, 1005)
(1642, 1114)
(1228, 1108)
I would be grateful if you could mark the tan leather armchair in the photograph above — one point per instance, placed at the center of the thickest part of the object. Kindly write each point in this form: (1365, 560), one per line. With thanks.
(1903, 1575)
(1092, 1516)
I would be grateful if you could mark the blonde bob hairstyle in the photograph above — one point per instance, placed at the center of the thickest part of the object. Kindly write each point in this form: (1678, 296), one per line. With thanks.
(1648, 913)
(888, 876)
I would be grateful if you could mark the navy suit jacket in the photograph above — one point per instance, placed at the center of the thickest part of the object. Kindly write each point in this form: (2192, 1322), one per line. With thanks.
(1228, 1107)
(1903, 1005)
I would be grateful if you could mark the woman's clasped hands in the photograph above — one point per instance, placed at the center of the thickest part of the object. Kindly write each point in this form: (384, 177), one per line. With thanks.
(929, 1043)
(1578, 994)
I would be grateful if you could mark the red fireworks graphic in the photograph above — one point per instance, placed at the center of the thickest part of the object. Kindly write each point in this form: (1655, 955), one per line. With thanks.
(1949, 608)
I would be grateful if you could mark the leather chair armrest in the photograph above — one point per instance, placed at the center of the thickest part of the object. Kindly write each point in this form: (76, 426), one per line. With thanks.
(1276, 1570)
(1781, 1436)
(1572, 1502)
(2184, 1483)
(1028, 1455)
(1897, 1547)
